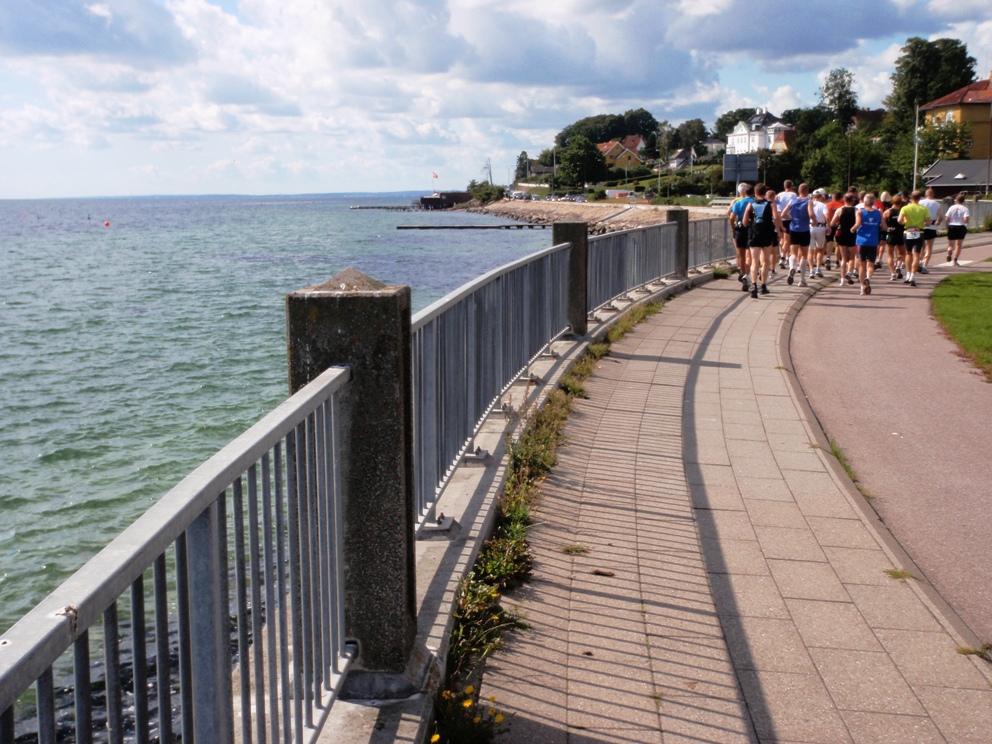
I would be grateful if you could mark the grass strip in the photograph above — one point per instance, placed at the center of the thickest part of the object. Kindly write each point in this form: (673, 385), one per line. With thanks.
(480, 620)
(963, 305)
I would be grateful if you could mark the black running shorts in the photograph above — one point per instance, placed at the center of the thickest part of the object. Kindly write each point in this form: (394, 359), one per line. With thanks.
(929, 233)
(914, 244)
(956, 232)
(762, 241)
(846, 238)
(895, 238)
(799, 238)
(740, 238)
(868, 253)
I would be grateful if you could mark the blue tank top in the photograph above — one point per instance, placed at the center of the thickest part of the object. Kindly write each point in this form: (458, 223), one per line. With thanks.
(799, 215)
(739, 208)
(868, 232)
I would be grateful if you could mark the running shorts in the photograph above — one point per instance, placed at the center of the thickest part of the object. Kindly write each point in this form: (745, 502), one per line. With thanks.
(914, 244)
(819, 237)
(868, 253)
(799, 238)
(894, 237)
(956, 232)
(787, 233)
(929, 233)
(831, 236)
(766, 241)
(740, 238)
(846, 238)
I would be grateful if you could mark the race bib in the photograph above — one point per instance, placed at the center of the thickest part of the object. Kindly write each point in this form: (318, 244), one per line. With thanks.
(913, 233)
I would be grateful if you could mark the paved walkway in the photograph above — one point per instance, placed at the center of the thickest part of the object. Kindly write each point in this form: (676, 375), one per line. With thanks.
(733, 588)
(913, 420)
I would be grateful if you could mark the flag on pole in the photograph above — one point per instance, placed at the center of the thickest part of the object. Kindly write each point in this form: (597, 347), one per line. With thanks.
(433, 174)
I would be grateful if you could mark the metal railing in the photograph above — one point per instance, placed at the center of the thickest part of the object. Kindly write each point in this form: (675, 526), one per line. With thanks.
(627, 259)
(468, 347)
(265, 668)
(710, 241)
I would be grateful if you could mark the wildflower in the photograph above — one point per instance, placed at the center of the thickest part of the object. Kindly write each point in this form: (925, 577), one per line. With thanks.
(494, 595)
(446, 694)
(499, 718)
(491, 711)
(467, 704)
(477, 719)
(492, 698)
(470, 689)
(495, 618)
(436, 738)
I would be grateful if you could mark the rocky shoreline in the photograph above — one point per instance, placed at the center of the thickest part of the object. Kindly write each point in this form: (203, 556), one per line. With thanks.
(602, 218)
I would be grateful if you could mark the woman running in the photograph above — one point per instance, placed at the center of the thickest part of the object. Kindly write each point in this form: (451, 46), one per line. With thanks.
(867, 227)
(843, 224)
(957, 218)
(763, 226)
(884, 204)
(895, 238)
(818, 232)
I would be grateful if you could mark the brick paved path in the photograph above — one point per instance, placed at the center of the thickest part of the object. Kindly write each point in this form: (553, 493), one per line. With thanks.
(749, 599)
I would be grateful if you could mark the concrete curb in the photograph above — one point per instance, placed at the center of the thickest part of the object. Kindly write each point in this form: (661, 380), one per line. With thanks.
(950, 619)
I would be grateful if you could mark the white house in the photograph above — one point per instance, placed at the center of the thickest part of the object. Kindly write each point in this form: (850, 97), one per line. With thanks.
(763, 131)
(714, 146)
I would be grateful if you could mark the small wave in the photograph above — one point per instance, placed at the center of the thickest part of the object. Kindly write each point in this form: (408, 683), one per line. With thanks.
(64, 454)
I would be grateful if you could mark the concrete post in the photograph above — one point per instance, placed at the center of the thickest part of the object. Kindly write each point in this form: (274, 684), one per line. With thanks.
(354, 320)
(576, 233)
(681, 217)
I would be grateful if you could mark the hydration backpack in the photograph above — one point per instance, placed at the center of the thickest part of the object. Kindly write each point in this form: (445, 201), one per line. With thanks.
(762, 222)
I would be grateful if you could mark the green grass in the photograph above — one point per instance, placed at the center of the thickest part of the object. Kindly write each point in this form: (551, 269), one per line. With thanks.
(963, 305)
(895, 573)
(719, 273)
(575, 550)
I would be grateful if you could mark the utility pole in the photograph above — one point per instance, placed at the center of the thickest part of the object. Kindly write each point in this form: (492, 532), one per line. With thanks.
(554, 167)
(988, 156)
(916, 145)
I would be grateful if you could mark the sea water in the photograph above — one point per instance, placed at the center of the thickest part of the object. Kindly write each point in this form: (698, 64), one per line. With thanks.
(131, 353)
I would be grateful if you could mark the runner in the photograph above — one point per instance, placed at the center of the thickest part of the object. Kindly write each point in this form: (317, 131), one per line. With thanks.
(745, 195)
(934, 207)
(782, 201)
(798, 215)
(895, 238)
(913, 217)
(884, 204)
(958, 218)
(818, 232)
(867, 224)
(843, 222)
(762, 220)
(832, 206)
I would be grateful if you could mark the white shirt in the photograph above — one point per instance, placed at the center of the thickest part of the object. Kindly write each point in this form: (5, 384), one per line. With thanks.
(934, 206)
(819, 214)
(957, 214)
(784, 199)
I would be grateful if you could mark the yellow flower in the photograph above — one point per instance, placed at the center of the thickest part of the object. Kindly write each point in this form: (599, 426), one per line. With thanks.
(499, 718)
(491, 711)
(435, 738)
(495, 618)
(446, 694)
(470, 689)
(467, 704)
(477, 719)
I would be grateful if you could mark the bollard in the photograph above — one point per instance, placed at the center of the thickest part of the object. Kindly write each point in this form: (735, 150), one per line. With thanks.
(576, 233)
(356, 321)
(681, 217)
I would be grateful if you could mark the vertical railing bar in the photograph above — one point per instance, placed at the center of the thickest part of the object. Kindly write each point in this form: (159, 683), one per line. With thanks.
(313, 583)
(323, 490)
(139, 660)
(111, 642)
(270, 600)
(46, 707)
(295, 611)
(285, 686)
(82, 688)
(185, 640)
(163, 660)
(337, 538)
(244, 662)
(258, 680)
(7, 726)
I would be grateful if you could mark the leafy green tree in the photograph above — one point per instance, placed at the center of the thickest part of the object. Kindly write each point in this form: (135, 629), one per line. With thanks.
(523, 167)
(727, 121)
(665, 139)
(817, 170)
(838, 96)
(807, 122)
(944, 141)
(639, 121)
(650, 150)
(581, 162)
(547, 157)
(606, 127)
(925, 71)
(691, 133)
(485, 192)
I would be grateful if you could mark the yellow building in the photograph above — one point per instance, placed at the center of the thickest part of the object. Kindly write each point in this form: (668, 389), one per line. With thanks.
(618, 156)
(971, 104)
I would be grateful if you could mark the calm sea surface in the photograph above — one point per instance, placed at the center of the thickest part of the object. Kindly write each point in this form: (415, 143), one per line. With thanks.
(129, 354)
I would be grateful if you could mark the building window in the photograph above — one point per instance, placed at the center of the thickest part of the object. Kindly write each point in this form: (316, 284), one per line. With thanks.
(949, 117)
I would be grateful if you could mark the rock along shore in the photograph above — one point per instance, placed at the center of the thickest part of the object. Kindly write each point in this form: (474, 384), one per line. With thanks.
(602, 218)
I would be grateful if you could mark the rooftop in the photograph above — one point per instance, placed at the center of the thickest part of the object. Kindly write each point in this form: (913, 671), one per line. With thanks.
(980, 92)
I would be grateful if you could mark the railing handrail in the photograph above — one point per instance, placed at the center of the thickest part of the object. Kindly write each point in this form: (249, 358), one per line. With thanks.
(451, 299)
(37, 640)
(615, 233)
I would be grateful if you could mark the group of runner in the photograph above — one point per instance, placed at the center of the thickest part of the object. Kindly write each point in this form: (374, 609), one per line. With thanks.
(798, 231)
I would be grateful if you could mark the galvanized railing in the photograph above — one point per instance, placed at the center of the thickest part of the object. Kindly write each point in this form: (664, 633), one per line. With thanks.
(627, 259)
(468, 347)
(710, 241)
(265, 667)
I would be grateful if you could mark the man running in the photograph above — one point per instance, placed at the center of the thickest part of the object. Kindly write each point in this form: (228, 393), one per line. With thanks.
(913, 217)
(934, 207)
(843, 223)
(762, 221)
(832, 206)
(957, 217)
(745, 195)
(782, 202)
(797, 214)
(895, 238)
(818, 232)
(867, 225)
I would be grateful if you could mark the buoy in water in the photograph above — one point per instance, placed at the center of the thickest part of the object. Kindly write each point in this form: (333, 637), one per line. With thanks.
(106, 224)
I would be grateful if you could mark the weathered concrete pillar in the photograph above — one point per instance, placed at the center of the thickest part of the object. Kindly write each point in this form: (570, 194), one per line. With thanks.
(681, 217)
(354, 320)
(576, 233)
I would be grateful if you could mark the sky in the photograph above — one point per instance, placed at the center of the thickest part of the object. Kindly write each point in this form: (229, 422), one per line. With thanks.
(149, 97)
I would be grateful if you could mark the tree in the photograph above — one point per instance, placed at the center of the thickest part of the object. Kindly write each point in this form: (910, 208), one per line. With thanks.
(807, 122)
(606, 127)
(925, 71)
(547, 157)
(727, 121)
(665, 141)
(485, 192)
(581, 162)
(817, 171)
(523, 167)
(838, 96)
(691, 133)
(944, 141)
(639, 121)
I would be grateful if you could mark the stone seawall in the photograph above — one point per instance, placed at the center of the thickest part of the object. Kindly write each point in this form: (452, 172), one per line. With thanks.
(602, 218)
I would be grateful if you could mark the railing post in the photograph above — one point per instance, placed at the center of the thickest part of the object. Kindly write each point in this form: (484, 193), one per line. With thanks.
(576, 233)
(681, 218)
(356, 321)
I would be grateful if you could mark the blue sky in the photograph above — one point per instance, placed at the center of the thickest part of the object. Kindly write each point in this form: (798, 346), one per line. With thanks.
(133, 97)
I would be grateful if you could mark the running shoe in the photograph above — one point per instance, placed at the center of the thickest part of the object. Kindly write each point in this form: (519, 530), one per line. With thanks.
(899, 272)
(892, 277)
(826, 264)
(948, 257)
(878, 265)
(906, 280)
(956, 262)
(754, 290)
(764, 289)
(924, 270)
(819, 272)
(745, 282)
(867, 287)
(850, 280)
(792, 275)
(912, 282)
(803, 283)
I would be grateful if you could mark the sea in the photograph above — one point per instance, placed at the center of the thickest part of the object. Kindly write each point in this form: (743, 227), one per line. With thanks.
(138, 336)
